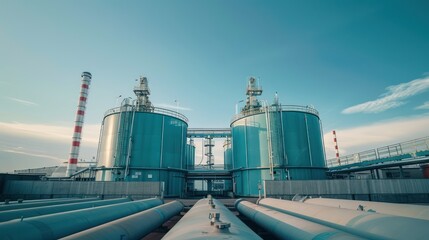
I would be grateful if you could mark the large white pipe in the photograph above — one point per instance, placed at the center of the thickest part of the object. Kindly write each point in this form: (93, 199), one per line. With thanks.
(200, 222)
(365, 224)
(285, 226)
(135, 226)
(406, 210)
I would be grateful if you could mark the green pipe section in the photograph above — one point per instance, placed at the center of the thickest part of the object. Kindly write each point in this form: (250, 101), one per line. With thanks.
(39, 211)
(45, 203)
(55, 226)
(135, 226)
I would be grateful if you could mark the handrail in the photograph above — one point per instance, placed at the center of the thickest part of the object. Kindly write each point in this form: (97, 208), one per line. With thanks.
(410, 147)
(158, 110)
(278, 108)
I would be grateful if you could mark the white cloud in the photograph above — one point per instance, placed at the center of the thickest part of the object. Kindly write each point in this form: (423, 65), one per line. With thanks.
(424, 106)
(90, 132)
(24, 102)
(357, 139)
(24, 145)
(394, 97)
(32, 154)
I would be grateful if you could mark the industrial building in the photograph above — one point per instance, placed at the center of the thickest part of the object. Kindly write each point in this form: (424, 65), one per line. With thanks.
(147, 154)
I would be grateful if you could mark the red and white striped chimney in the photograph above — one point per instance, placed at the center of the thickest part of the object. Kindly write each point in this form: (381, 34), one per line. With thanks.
(74, 152)
(336, 147)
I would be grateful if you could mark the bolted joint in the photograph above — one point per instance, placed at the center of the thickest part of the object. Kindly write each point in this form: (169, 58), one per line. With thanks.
(222, 225)
(214, 217)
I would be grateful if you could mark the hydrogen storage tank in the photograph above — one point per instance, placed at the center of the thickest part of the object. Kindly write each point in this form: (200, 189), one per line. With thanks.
(227, 154)
(190, 155)
(139, 142)
(274, 142)
(227, 157)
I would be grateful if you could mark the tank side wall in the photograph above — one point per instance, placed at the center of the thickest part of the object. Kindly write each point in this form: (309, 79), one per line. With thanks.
(296, 140)
(316, 143)
(146, 149)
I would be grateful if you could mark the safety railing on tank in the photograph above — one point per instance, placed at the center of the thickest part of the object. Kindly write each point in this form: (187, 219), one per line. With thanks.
(413, 148)
(274, 108)
(127, 108)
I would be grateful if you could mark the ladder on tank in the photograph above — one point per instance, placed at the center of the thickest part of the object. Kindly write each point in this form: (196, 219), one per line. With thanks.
(269, 139)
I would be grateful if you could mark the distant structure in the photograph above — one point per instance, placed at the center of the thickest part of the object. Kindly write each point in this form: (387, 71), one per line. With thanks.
(74, 152)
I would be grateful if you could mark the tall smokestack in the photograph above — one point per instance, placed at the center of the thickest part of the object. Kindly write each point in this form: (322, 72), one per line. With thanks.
(74, 152)
(337, 152)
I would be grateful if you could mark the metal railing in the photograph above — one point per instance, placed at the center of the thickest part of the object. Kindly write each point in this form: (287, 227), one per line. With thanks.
(412, 147)
(168, 112)
(212, 132)
(274, 108)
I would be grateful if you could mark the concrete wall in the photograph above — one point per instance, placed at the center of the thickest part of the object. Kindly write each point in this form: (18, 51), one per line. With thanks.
(54, 189)
(385, 190)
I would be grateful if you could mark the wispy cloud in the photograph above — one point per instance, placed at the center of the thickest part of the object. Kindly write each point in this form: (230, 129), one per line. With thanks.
(21, 101)
(32, 154)
(361, 138)
(392, 98)
(50, 132)
(163, 105)
(424, 106)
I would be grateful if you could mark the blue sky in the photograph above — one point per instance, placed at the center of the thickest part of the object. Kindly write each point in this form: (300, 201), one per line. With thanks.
(363, 64)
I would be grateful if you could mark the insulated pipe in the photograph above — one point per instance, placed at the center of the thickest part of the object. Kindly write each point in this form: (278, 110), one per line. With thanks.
(285, 226)
(135, 226)
(203, 221)
(365, 224)
(405, 210)
(74, 152)
(45, 203)
(39, 211)
(21, 201)
(54, 226)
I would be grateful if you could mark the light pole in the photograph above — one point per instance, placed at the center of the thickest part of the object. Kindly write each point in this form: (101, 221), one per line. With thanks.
(236, 106)
(177, 107)
(117, 100)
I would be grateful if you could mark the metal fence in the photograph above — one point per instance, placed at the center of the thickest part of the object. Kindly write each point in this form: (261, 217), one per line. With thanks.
(130, 108)
(276, 108)
(52, 189)
(406, 149)
(395, 190)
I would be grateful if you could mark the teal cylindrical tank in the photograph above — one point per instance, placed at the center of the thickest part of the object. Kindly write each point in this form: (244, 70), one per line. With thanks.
(190, 156)
(143, 145)
(227, 157)
(289, 147)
